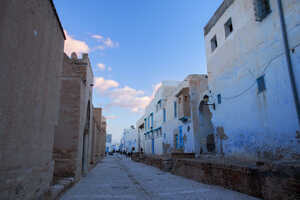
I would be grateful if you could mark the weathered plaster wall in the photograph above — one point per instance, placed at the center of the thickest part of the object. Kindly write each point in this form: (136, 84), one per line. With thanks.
(31, 53)
(259, 125)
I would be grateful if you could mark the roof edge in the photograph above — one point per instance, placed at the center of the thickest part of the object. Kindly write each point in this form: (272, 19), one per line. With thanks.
(57, 17)
(217, 15)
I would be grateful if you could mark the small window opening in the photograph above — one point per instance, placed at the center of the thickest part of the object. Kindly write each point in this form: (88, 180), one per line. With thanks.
(219, 99)
(185, 98)
(261, 84)
(228, 28)
(262, 9)
(214, 43)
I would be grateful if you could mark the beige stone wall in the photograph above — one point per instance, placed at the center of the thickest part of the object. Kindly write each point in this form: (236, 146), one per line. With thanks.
(73, 137)
(96, 137)
(31, 53)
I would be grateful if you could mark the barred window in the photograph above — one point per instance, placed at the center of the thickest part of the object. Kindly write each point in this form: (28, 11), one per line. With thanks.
(228, 27)
(262, 9)
(214, 43)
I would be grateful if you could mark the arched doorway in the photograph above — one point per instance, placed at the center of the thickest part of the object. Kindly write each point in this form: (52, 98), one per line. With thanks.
(206, 127)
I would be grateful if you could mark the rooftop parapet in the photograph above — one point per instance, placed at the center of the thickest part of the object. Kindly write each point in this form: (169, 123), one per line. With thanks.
(218, 14)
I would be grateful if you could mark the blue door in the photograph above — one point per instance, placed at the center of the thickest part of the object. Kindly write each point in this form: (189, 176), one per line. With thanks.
(152, 145)
(180, 137)
(176, 142)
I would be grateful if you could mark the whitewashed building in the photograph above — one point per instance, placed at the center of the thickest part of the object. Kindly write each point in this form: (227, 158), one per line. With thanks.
(253, 55)
(129, 140)
(184, 128)
(173, 121)
(154, 117)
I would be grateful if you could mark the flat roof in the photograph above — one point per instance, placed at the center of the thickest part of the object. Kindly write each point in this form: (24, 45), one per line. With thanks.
(217, 15)
(56, 15)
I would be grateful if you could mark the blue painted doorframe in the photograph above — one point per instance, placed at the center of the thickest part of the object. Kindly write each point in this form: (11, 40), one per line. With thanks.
(180, 137)
(152, 145)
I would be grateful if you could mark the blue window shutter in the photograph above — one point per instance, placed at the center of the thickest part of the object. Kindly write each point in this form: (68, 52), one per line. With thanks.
(261, 84)
(219, 99)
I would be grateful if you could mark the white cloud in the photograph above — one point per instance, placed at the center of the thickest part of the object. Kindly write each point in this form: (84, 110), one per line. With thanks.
(73, 45)
(103, 85)
(101, 66)
(130, 98)
(109, 69)
(110, 44)
(105, 42)
(97, 37)
(124, 97)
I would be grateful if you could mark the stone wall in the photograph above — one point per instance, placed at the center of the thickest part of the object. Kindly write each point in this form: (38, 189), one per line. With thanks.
(31, 54)
(97, 138)
(73, 136)
(275, 181)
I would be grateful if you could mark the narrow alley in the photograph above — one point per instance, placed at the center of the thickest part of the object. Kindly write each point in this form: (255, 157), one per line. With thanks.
(117, 177)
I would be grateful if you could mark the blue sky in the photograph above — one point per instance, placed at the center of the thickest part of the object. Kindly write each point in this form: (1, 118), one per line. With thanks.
(133, 46)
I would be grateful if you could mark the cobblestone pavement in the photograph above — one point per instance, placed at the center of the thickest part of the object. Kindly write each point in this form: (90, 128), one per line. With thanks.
(117, 177)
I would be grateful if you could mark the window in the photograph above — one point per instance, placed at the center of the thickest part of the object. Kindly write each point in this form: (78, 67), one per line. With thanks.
(262, 9)
(165, 115)
(261, 84)
(175, 109)
(228, 27)
(158, 105)
(151, 120)
(185, 98)
(219, 99)
(214, 43)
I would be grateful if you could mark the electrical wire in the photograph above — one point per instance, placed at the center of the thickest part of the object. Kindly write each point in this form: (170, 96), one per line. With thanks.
(254, 83)
(264, 72)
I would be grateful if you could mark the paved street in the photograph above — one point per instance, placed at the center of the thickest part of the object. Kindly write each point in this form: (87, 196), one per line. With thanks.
(119, 178)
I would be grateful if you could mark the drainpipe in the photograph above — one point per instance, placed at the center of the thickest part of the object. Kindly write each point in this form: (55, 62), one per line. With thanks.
(288, 58)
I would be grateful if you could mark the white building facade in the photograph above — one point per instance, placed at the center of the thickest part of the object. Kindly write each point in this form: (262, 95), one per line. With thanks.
(249, 78)
(171, 122)
(129, 140)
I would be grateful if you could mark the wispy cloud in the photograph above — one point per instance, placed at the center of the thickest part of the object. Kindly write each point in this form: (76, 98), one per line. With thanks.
(101, 66)
(104, 42)
(124, 97)
(109, 69)
(97, 37)
(73, 45)
(130, 98)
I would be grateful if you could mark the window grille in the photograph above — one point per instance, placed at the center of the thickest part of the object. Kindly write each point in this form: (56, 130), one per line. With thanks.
(228, 27)
(262, 9)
